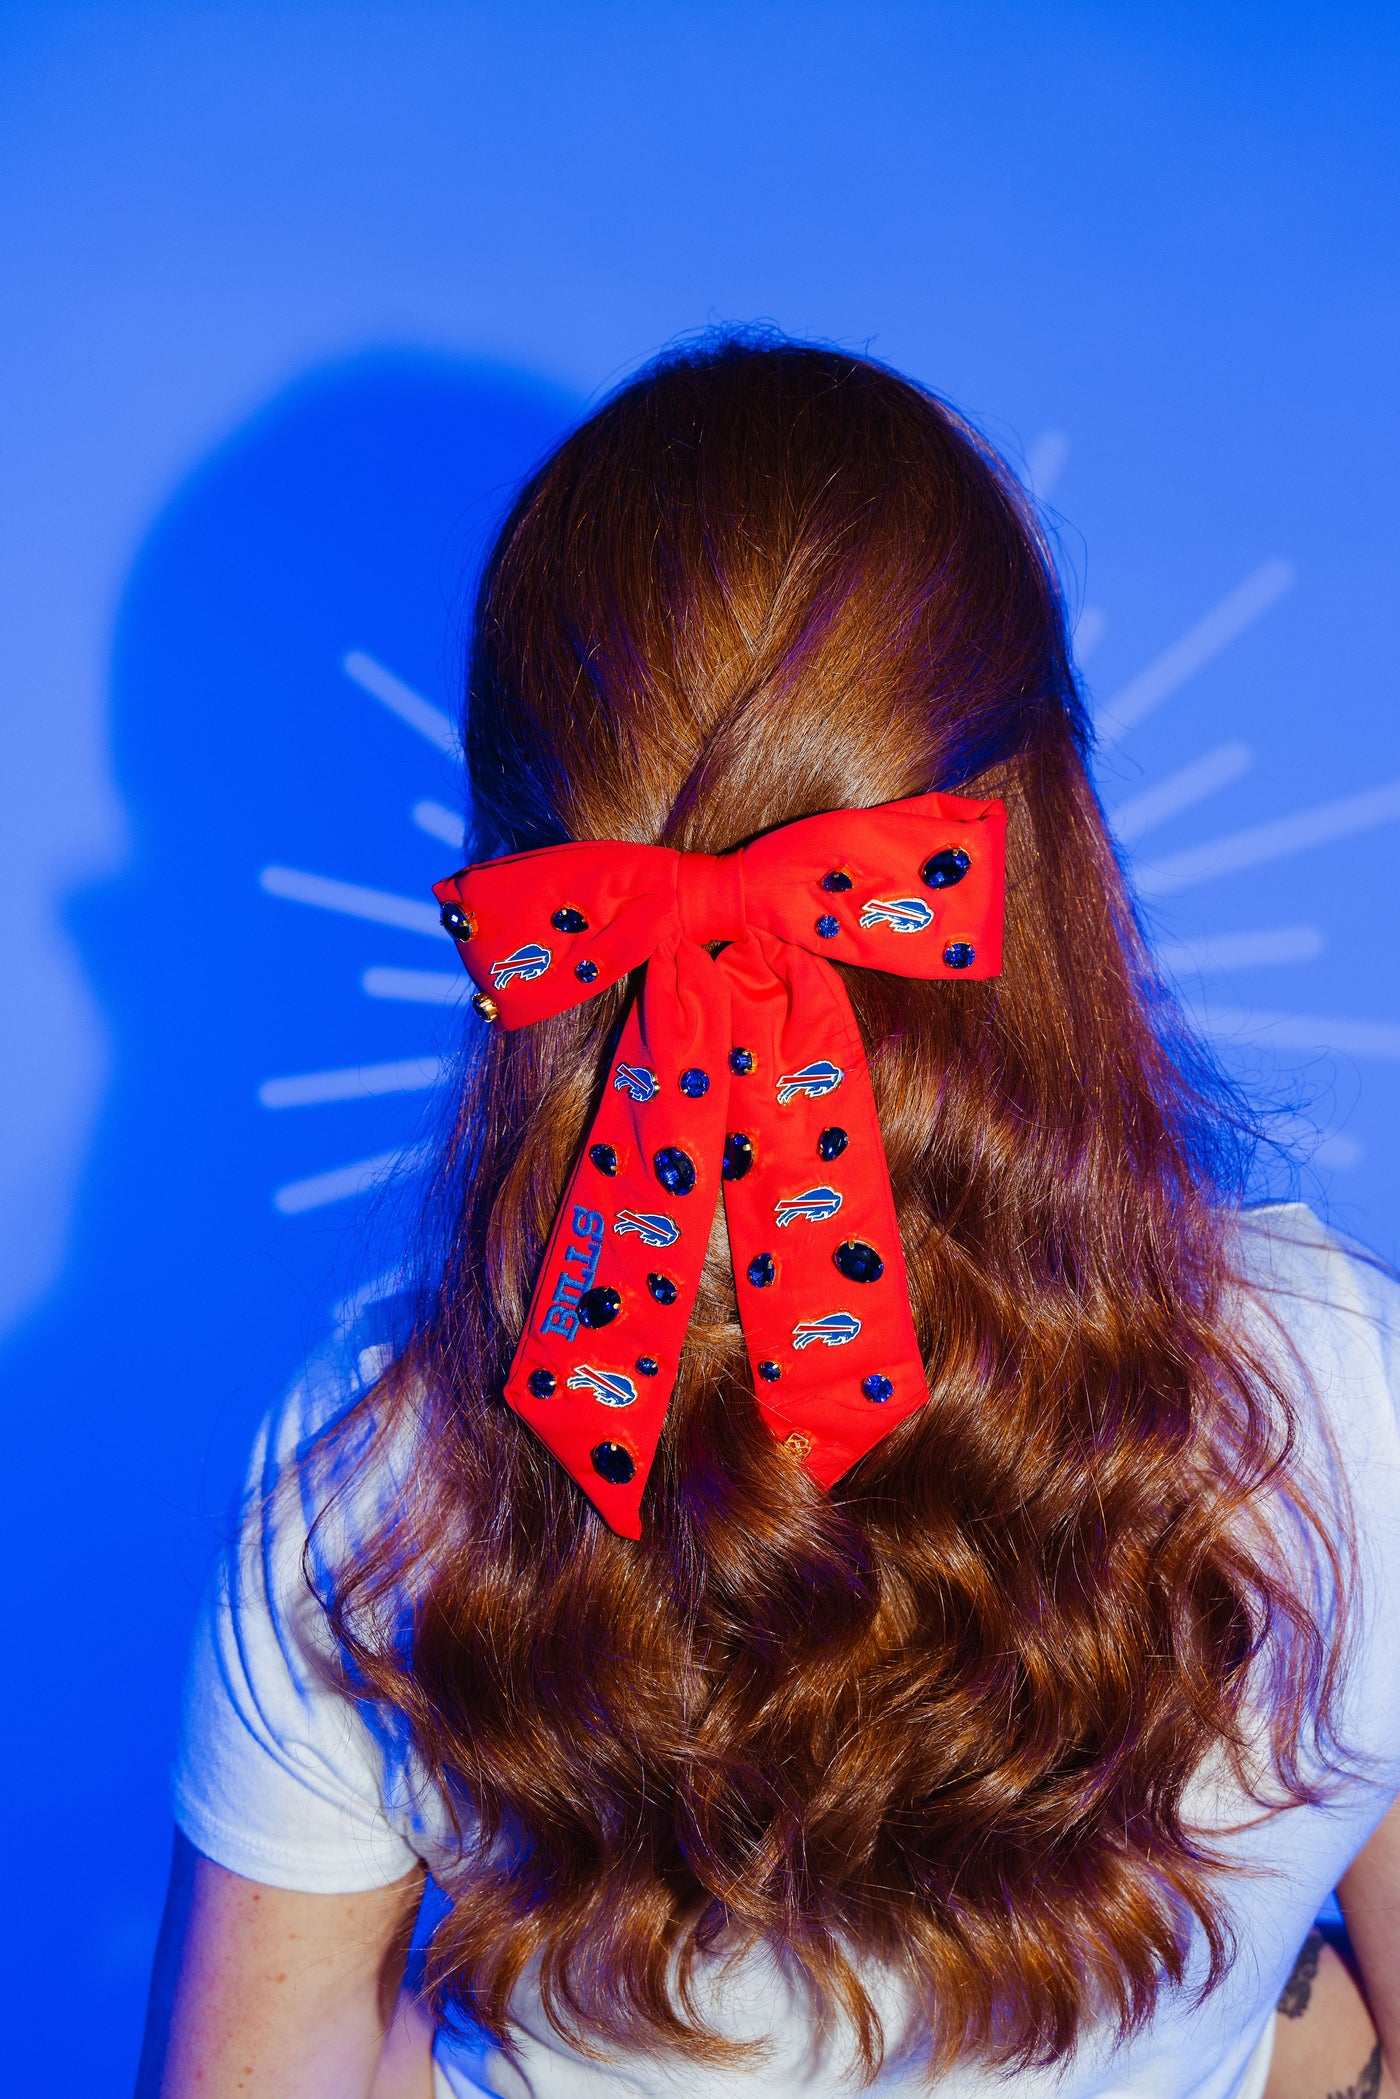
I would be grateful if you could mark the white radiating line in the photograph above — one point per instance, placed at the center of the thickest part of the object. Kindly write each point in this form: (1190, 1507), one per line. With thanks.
(355, 1179)
(440, 823)
(401, 699)
(1195, 648)
(1331, 1149)
(375, 1292)
(326, 894)
(1271, 841)
(1045, 462)
(1222, 951)
(421, 987)
(1302, 1031)
(1180, 790)
(1089, 631)
(357, 1082)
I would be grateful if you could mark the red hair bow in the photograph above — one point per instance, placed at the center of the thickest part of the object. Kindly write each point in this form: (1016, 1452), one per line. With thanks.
(743, 1070)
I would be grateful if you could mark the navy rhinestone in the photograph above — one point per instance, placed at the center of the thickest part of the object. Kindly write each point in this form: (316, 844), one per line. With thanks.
(858, 1262)
(694, 1083)
(675, 1170)
(959, 954)
(612, 1463)
(836, 880)
(604, 1157)
(586, 972)
(567, 920)
(662, 1289)
(742, 1062)
(542, 1383)
(770, 1372)
(762, 1270)
(459, 923)
(647, 1366)
(828, 926)
(601, 1305)
(832, 1143)
(738, 1155)
(947, 868)
(877, 1388)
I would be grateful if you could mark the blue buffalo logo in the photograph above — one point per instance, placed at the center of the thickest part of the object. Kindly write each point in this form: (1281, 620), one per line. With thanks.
(835, 1329)
(610, 1386)
(902, 914)
(813, 1080)
(814, 1204)
(652, 1227)
(636, 1080)
(527, 963)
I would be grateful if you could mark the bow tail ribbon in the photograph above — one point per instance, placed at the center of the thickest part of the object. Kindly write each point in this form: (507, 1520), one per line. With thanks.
(794, 1144)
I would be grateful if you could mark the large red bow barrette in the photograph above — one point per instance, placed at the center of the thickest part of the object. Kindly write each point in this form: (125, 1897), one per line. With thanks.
(743, 1070)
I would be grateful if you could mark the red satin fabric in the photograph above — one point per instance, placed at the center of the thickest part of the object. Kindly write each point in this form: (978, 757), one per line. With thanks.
(843, 1347)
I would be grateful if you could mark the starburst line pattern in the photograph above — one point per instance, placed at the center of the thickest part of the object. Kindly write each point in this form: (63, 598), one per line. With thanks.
(1271, 841)
(1191, 961)
(1193, 650)
(356, 1082)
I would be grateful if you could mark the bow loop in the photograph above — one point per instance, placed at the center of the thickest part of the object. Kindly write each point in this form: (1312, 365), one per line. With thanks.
(742, 1072)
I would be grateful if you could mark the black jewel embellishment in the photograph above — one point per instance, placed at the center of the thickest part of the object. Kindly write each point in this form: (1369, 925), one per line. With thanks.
(604, 1157)
(542, 1383)
(832, 1143)
(959, 954)
(567, 920)
(858, 1262)
(662, 1288)
(828, 926)
(459, 923)
(738, 1155)
(877, 1388)
(675, 1170)
(694, 1083)
(770, 1372)
(485, 1006)
(647, 1366)
(586, 972)
(838, 879)
(612, 1463)
(741, 1062)
(601, 1305)
(762, 1270)
(947, 868)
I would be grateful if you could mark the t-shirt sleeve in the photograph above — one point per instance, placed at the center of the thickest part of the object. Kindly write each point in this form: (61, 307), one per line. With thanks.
(278, 1775)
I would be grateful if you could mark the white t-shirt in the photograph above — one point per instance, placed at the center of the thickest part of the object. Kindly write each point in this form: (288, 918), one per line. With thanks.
(285, 1782)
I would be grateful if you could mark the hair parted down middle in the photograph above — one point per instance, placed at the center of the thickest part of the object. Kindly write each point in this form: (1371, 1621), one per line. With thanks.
(941, 1719)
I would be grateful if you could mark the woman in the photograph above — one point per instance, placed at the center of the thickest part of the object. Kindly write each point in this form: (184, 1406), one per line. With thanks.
(1002, 1714)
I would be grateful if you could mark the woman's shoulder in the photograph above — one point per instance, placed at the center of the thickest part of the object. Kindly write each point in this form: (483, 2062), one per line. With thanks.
(1334, 1307)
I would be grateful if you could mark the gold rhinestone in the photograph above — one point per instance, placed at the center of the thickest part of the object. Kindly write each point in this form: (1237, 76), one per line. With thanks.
(486, 1007)
(796, 1445)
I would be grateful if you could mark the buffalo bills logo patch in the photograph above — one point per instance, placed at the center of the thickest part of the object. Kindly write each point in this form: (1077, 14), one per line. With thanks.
(652, 1227)
(610, 1386)
(578, 1265)
(527, 963)
(636, 1080)
(835, 1329)
(902, 914)
(813, 1205)
(813, 1080)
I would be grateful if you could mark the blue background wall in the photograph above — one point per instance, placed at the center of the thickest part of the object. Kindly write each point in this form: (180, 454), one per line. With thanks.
(301, 289)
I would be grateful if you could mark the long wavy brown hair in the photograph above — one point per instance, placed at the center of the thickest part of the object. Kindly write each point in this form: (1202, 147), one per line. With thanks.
(941, 1719)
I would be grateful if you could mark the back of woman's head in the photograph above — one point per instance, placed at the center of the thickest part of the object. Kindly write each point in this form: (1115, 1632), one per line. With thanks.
(942, 1717)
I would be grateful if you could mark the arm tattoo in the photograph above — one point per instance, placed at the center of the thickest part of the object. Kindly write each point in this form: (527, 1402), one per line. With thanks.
(1297, 1991)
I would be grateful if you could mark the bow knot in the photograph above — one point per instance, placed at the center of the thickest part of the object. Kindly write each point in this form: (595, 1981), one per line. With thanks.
(710, 897)
(740, 1072)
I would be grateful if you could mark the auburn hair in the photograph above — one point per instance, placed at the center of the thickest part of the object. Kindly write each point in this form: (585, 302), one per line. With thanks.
(942, 1718)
